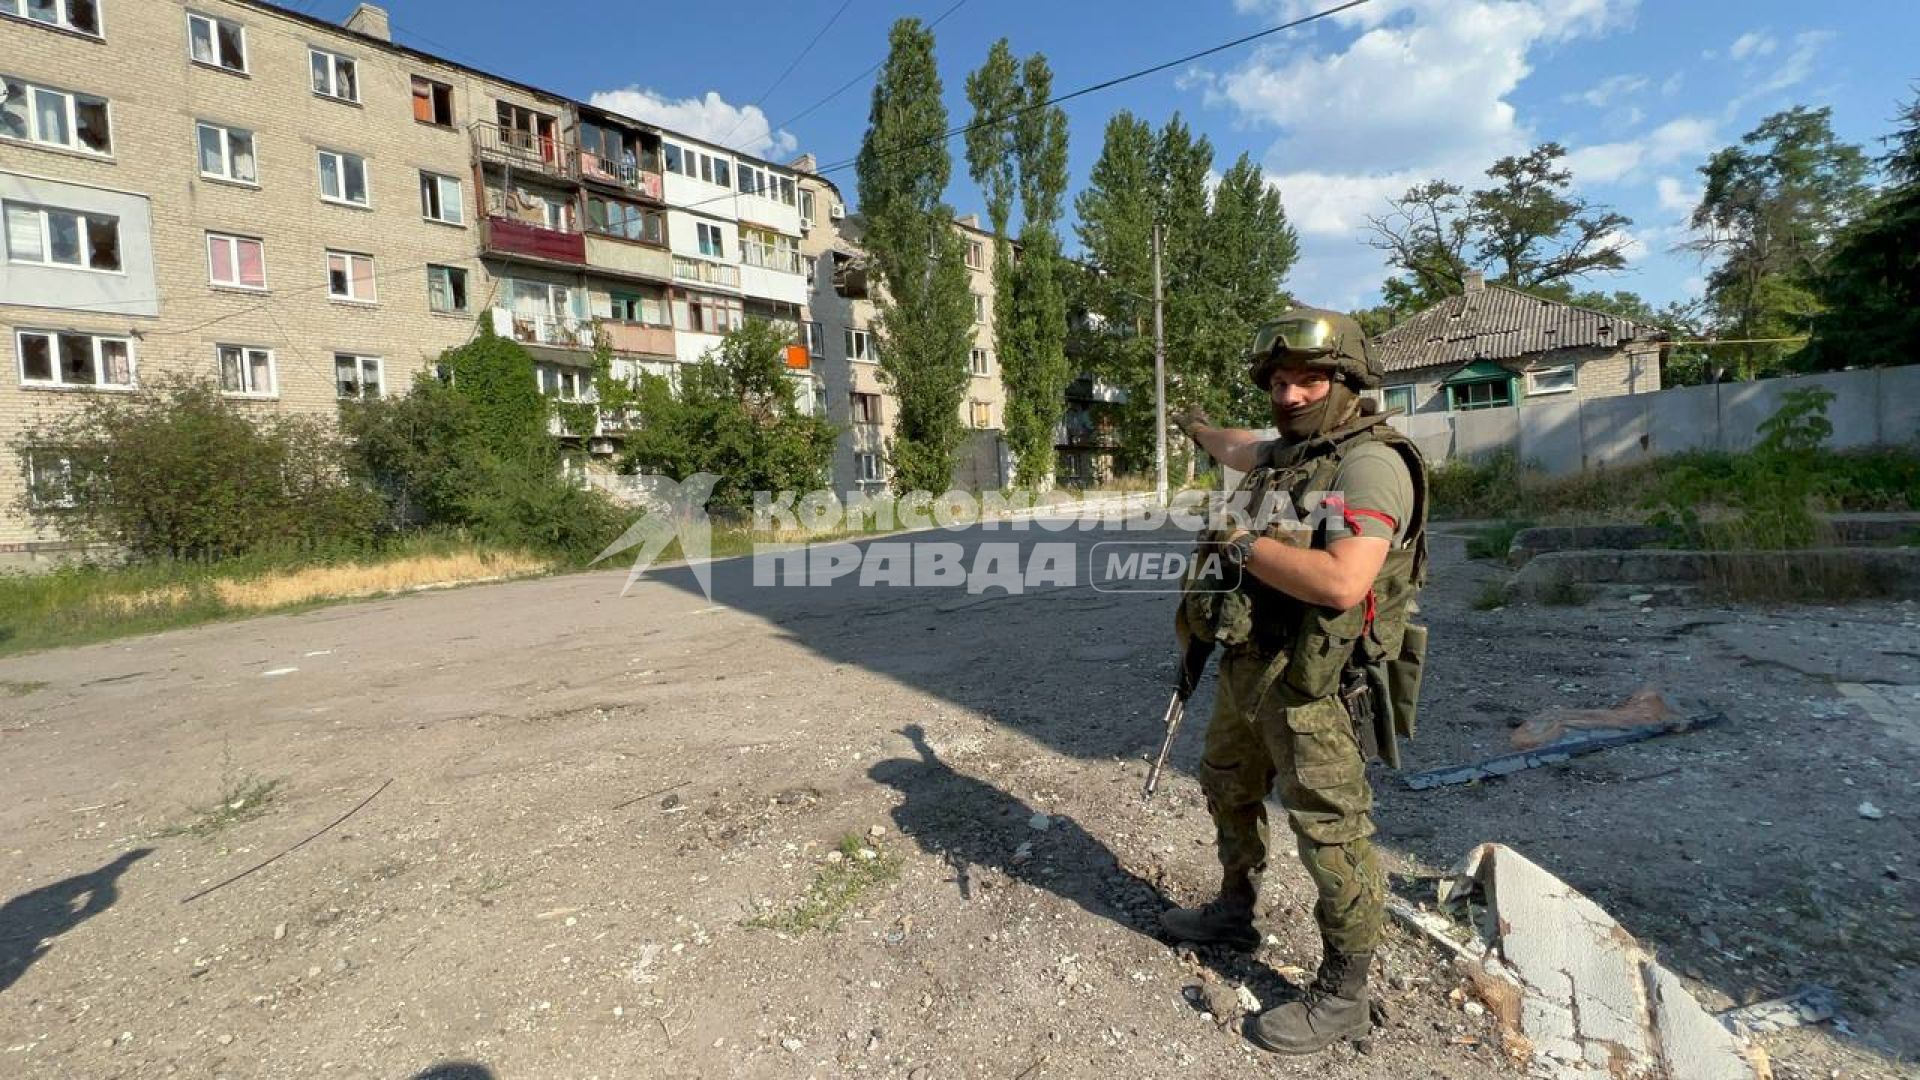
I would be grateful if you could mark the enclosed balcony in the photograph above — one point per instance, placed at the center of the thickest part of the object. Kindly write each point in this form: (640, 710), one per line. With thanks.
(613, 155)
(632, 337)
(508, 236)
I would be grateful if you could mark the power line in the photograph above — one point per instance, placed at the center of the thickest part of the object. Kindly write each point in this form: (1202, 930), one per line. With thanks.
(844, 4)
(850, 83)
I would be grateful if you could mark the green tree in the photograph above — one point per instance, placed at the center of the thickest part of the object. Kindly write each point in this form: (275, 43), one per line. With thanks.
(734, 415)
(1769, 209)
(1115, 215)
(1251, 247)
(1869, 285)
(924, 303)
(1027, 153)
(1527, 229)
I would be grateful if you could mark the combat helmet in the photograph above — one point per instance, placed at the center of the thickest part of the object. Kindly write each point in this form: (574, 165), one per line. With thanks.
(1311, 337)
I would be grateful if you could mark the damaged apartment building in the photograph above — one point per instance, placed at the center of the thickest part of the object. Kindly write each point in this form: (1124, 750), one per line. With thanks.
(304, 212)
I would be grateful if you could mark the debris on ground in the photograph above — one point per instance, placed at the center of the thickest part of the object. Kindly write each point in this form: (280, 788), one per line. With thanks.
(1553, 753)
(1643, 709)
(1807, 1005)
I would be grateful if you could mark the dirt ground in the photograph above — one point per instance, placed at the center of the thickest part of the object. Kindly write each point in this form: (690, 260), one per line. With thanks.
(592, 796)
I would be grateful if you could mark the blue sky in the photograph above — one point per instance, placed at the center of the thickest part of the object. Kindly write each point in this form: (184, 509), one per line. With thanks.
(1342, 114)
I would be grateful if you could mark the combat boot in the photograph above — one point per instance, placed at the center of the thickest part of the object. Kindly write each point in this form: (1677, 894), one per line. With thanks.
(1225, 920)
(1335, 1007)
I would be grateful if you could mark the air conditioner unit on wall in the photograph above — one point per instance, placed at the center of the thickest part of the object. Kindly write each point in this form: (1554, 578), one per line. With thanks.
(837, 212)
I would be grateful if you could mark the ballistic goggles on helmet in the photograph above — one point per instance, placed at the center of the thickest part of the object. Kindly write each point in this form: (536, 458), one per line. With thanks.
(1305, 337)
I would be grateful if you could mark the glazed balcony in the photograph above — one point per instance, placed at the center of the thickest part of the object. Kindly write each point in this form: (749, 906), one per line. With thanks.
(627, 337)
(511, 236)
(625, 172)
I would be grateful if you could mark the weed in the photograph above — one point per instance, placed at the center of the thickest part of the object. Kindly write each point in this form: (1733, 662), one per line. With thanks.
(836, 888)
(1493, 596)
(1494, 541)
(1564, 592)
(20, 687)
(243, 797)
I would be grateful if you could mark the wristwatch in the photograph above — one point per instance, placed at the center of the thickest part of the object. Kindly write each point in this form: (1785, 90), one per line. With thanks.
(1239, 550)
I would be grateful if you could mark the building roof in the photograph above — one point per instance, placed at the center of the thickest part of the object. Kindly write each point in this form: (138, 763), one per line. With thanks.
(1494, 322)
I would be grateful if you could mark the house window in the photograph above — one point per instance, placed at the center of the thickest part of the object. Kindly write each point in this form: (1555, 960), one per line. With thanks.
(866, 408)
(237, 262)
(807, 208)
(770, 250)
(981, 415)
(48, 236)
(752, 181)
(1481, 394)
(638, 308)
(721, 173)
(978, 361)
(358, 377)
(860, 346)
(1398, 397)
(526, 130)
(335, 76)
(868, 468)
(343, 178)
(814, 338)
(82, 16)
(820, 400)
(50, 472)
(226, 153)
(708, 314)
(564, 383)
(440, 199)
(1559, 379)
(246, 371)
(674, 157)
(55, 359)
(432, 102)
(979, 308)
(629, 221)
(350, 277)
(217, 42)
(712, 240)
(976, 254)
(50, 117)
(447, 289)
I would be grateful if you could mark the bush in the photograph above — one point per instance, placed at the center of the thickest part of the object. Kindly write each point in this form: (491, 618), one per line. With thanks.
(179, 471)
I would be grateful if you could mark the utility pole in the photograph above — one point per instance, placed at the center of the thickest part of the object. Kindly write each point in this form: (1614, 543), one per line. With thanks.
(1159, 382)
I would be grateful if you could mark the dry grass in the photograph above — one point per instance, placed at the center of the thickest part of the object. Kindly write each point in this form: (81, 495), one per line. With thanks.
(352, 580)
(146, 601)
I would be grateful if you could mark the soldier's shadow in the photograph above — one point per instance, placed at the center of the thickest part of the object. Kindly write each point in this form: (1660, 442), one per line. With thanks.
(969, 823)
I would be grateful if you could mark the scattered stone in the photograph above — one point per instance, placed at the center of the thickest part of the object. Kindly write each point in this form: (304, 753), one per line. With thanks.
(1022, 854)
(670, 802)
(226, 1040)
(867, 854)
(877, 831)
(280, 932)
(1871, 812)
(313, 971)
(1474, 1008)
(1640, 598)
(1807, 1005)
(1039, 822)
(1247, 1000)
(792, 1044)
(834, 856)
(340, 965)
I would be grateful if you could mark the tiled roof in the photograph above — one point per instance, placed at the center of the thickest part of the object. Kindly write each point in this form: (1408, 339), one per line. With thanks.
(1499, 323)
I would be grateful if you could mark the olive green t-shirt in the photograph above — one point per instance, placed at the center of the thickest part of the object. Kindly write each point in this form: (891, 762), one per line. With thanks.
(1372, 477)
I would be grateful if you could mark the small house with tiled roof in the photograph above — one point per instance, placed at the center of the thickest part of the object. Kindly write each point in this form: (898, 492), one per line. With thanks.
(1497, 347)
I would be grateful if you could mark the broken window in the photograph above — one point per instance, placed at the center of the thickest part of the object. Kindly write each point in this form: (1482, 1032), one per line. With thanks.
(708, 314)
(350, 277)
(432, 102)
(866, 408)
(217, 42)
(358, 376)
(245, 370)
(236, 261)
(343, 177)
(447, 289)
(54, 237)
(227, 154)
(50, 472)
(53, 117)
(334, 76)
(440, 198)
(82, 16)
(66, 359)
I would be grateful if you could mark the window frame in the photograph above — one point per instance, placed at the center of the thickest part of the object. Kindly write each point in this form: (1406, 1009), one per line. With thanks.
(868, 467)
(860, 346)
(366, 178)
(570, 383)
(235, 240)
(975, 411)
(65, 22)
(31, 92)
(54, 381)
(1389, 393)
(83, 233)
(227, 156)
(372, 278)
(439, 191)
(865, 408)
(704, 229)
(360, 376)
(979, 363)
(35, 483)
(1569, 369)
(245, 369)
(464, 295)
(314, 54)
(979, 309)
(433, 86)
(976, 255)
(1458, 390)
(214, 22)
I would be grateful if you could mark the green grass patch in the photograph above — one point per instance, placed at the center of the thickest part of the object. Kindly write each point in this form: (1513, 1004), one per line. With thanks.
(1494, 541)
(1493, 596)
(243, 797)
(838, 886)
(20, 687)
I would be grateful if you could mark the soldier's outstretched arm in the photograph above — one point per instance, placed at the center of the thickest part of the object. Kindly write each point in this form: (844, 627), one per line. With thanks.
(1337, 576)
(1236, 448)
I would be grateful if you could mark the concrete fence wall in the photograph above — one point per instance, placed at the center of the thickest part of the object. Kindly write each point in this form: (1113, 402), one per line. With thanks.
(1874, 407)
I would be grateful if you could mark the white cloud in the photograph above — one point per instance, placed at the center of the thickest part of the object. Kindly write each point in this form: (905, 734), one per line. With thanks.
(1790, 71)
(1674, 196)
(1632, 248)
(1753, 43)
(1614, 86)
(1675, 140)
(709, 118)
(1420, 90)
(1672, 85)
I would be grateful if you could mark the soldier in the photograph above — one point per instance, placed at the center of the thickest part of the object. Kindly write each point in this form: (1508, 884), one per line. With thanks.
(1311, 603)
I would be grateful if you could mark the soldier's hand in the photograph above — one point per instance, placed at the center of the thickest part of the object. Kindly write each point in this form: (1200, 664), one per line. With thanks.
(1189, 419)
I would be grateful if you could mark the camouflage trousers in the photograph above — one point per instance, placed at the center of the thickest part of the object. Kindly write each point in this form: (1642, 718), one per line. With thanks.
(1260, 733)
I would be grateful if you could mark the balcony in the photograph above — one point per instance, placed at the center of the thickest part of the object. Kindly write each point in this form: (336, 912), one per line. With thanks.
(510, 236)
(640, 338)
(768, 257)
(542, 330)
(626, 174)
(627, 257)
(545, 154)
(706, 273)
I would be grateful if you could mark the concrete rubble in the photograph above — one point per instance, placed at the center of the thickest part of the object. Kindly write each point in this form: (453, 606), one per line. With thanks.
(1579, 998)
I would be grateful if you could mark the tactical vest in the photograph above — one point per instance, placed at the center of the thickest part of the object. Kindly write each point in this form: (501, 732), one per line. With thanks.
(1311, 647)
